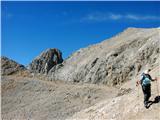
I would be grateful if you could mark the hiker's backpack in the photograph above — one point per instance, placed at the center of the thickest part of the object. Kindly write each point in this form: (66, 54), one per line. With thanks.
(145, 79)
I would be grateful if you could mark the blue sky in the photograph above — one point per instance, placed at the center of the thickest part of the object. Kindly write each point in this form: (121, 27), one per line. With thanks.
(28, 28)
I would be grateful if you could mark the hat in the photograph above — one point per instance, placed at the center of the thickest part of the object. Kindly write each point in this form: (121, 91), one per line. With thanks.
(147, 71)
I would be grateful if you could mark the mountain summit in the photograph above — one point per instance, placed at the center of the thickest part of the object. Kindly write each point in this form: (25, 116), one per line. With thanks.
(112, 61)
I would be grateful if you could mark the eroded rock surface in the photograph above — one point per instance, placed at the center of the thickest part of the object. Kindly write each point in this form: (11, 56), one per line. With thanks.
(112, 61)
(46, 60)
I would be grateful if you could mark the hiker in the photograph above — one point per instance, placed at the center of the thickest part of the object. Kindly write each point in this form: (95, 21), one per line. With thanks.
(145, 82)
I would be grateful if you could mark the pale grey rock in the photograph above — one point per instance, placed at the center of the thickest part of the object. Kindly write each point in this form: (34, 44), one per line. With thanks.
(112, 61)
(46, 60)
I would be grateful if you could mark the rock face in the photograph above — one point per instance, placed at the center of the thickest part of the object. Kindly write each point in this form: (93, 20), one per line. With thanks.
(46, 60)
(112, 61)
(9, 66)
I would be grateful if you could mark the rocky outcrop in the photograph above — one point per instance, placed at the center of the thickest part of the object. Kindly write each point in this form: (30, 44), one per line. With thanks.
(112, 61)
(9, 67)
(46, 60)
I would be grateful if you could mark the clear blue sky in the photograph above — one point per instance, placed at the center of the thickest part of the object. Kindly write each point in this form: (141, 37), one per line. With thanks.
(28, 28)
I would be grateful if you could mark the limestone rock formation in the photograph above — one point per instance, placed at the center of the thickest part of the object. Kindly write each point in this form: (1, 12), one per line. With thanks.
(9, 66)
(112, 61)
(45, 61)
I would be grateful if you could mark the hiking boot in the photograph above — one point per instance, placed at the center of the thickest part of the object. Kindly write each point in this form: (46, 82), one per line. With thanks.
(145, 106)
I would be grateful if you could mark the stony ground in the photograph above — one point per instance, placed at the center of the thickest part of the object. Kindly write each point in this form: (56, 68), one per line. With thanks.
(29, 98)
(32, 99)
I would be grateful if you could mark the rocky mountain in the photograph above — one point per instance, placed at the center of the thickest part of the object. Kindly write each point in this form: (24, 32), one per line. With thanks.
(46, 60)
(9, 67)
(112, 61)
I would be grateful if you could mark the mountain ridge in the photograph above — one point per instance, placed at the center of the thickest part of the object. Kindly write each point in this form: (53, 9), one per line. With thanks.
(127, 54)
(79, 64)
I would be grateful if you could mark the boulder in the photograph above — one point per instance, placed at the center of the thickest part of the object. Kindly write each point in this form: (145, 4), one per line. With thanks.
(46, 60)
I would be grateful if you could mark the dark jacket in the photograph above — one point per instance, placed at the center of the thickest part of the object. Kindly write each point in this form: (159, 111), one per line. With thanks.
(143, 76)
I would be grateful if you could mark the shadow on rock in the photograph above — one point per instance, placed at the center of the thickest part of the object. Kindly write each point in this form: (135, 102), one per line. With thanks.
(156, 100)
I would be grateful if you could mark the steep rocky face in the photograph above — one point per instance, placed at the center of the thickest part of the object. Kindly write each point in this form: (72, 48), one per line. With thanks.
(9, 66)
(112, 61)
(46, 60)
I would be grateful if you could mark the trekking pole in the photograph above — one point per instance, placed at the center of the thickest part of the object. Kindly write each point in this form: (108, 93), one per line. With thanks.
(138, 100)
(138, 97)
(138, 89)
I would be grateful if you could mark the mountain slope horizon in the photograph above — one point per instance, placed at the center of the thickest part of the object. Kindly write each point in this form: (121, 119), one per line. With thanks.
(112, 61)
